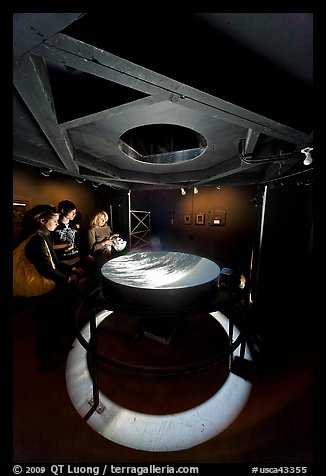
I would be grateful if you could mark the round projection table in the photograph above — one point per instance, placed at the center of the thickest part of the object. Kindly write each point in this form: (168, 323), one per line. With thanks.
(157, 286)
(160, 280)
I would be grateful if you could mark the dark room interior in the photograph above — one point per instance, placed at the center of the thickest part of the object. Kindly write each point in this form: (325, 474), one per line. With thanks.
(196, 137)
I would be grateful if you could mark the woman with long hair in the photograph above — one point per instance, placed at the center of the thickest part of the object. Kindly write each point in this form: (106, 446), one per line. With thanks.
(99, 233)
(55, 315)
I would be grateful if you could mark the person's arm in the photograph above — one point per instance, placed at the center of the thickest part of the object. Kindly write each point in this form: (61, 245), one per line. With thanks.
(95, 245)
(59, 243)
(36, 253)
(56, 237)
(91, 239)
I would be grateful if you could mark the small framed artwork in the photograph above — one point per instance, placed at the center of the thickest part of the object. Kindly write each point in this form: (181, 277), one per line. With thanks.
(200, 219)
(19, 209)
(187, 219)
(216, 217)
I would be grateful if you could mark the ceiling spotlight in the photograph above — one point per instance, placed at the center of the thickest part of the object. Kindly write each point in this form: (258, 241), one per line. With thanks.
(46, 172)
(80, 180)
(218, 187)
(195, 190)
(183, 192)
(307, 151)
(95, 185)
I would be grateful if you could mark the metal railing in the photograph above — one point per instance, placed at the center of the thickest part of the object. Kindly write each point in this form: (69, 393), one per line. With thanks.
(139, 228)
(97, 302)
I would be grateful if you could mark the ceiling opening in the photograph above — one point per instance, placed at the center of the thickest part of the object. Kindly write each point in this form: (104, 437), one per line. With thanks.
(162, 144)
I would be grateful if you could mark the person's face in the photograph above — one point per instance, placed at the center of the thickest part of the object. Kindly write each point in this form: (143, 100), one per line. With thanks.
(101, 220)
(71, 214)
(52, 222)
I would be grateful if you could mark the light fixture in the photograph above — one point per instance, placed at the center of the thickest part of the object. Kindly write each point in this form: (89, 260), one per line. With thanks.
(80, 180)
(307, 151)
(95, 185)
(46, 172)
(195, 190)
(218, 187)
(183, 192)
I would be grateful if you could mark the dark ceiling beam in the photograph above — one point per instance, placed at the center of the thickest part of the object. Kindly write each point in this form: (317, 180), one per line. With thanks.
(193, 177)
(114, 112)
(251, 141)
(31, 29)
(277, 169)
(28, 73)
(29, 153)
(104, 173)
(84, 57)
(223, 170)
(94, 165)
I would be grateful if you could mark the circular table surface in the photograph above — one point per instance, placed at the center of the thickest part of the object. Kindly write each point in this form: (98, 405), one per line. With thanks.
(160, 270)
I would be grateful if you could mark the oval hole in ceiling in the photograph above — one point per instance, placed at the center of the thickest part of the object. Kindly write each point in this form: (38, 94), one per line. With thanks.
(162, 144)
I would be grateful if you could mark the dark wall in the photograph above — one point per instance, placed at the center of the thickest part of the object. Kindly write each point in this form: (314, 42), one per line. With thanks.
(116, 203)
(229, 244)
(286, 251)
(30, 186)
(285, 281)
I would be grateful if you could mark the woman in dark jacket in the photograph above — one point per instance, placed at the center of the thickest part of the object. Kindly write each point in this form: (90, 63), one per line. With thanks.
(55, 318)
(71, 250)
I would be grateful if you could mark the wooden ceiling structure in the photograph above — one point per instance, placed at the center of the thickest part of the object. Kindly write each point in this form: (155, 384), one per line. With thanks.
(191, 100)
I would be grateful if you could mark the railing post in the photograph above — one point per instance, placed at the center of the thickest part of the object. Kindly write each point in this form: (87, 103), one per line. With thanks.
(93, 349)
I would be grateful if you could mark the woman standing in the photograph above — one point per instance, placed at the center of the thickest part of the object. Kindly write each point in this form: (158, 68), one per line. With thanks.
(70, 249)
(65, 237)
(55, 316)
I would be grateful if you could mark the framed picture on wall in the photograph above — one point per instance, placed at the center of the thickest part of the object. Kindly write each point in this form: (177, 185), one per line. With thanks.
(19, 209)
(216, 217)
(187, 219)
(200, 219)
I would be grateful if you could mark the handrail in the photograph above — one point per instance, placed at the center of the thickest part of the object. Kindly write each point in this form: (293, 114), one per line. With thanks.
(96, 300)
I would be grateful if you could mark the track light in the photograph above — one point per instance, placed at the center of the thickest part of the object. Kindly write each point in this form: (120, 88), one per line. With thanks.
(195, 190)
(46, 172)
(80, 180)
(95, 185)
(307, 151)
(218, 187)
(183, 192)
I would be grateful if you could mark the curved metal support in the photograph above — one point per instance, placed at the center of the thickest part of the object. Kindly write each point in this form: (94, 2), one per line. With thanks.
(97, 301)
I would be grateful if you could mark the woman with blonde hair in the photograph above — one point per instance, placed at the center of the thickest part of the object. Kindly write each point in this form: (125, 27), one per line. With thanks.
(99, 237)
(98, 234)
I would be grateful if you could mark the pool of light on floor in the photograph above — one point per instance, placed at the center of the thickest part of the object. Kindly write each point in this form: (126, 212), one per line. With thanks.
(156, 433)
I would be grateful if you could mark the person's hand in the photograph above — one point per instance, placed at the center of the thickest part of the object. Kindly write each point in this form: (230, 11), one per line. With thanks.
(70, 247)
(108, 242)
(72, 278)
(79, 271)
(90, 258)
